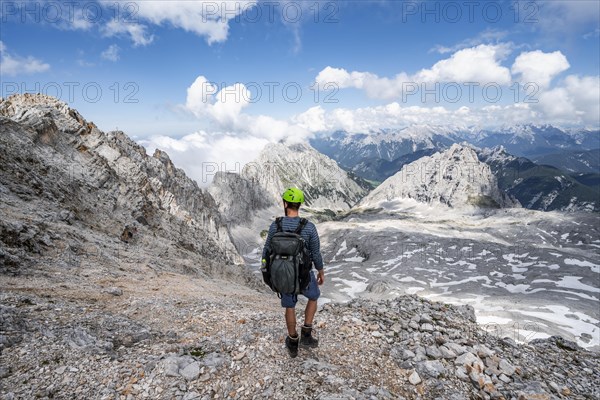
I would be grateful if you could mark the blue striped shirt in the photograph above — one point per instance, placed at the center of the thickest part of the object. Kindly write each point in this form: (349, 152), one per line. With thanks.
(309, 233)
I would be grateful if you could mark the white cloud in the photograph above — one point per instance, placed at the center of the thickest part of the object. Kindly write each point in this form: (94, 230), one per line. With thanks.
(224, 106)
(207, 18)
(312, 119)
(238, 136)
(136, 32)
(595, 34)
(575, 101)
(477, 64)
(585, 94)
(480, 64)
(202, 154)
(13, 64)
(539, 67)
(111, 53)
(488, 36)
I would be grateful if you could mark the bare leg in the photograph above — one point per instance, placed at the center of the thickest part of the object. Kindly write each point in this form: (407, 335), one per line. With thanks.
(309, 312)
(290, 321)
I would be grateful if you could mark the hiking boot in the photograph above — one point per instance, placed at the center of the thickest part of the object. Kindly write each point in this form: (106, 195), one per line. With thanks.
(306, 338)
(292, 345)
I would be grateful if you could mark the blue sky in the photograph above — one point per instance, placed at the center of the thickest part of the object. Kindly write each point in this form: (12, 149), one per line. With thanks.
(161, 64)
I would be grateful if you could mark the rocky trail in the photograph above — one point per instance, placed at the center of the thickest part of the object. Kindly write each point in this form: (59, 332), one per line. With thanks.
(173, 336)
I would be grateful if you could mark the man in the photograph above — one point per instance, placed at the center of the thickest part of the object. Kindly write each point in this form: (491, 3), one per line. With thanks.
(292, 199)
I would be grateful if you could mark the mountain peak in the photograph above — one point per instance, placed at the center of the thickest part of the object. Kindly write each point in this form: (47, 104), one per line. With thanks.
(455, 178)
(105, 184)
(325, 184)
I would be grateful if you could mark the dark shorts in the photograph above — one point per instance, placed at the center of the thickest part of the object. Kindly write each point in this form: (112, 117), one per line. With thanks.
(312, 292)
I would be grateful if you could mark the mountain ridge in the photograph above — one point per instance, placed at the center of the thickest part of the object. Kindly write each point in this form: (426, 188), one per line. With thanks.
(454, 178)
(103, 183)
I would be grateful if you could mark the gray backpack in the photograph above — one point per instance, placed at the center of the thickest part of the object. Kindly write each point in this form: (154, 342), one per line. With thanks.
(289, 263)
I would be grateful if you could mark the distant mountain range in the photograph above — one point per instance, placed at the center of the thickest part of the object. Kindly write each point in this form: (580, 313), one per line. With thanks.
(543, 167)
(378, 155)
(542, 187)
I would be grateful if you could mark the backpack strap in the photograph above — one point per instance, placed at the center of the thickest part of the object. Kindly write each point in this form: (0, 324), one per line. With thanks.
(279, 225)
(301, 225)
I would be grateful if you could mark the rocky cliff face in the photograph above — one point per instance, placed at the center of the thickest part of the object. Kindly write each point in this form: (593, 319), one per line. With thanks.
(71, 191)
(455, 178)
(324, 183)
(238, 198)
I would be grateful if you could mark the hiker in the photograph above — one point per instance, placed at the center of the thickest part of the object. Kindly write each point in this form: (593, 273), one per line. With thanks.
(292, 199)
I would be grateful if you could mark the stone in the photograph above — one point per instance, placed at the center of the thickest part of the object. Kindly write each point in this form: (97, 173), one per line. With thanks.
(506, 367)
(425, 319)
(427, 328)
(407, 354)
(447, 353)
(433, 352)
(456, 348)
(440, 340)
(482, 351)
(191, 371)
(171, 367)
(432, 368)
(468, 359)
(414, 378)
(533, 391)
(115, 291)
(477, 379)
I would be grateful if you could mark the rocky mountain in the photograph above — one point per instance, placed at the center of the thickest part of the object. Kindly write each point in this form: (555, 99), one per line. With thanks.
(238, 198)
(73, 194)
(379, 169)
(455, 178)
(326, 186)
(541, 187)
(585, 162)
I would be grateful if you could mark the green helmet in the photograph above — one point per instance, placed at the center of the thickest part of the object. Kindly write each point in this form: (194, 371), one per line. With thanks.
(293, 195)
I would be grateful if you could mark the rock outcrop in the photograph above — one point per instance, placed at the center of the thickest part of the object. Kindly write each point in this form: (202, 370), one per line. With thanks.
(455, 178)
(68, 191)
(325, 185)
(238, 198)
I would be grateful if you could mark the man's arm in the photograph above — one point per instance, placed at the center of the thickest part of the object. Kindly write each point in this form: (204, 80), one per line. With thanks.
(314, 246)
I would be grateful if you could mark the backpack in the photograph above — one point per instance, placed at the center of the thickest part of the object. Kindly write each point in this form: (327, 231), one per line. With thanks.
(289, 262)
